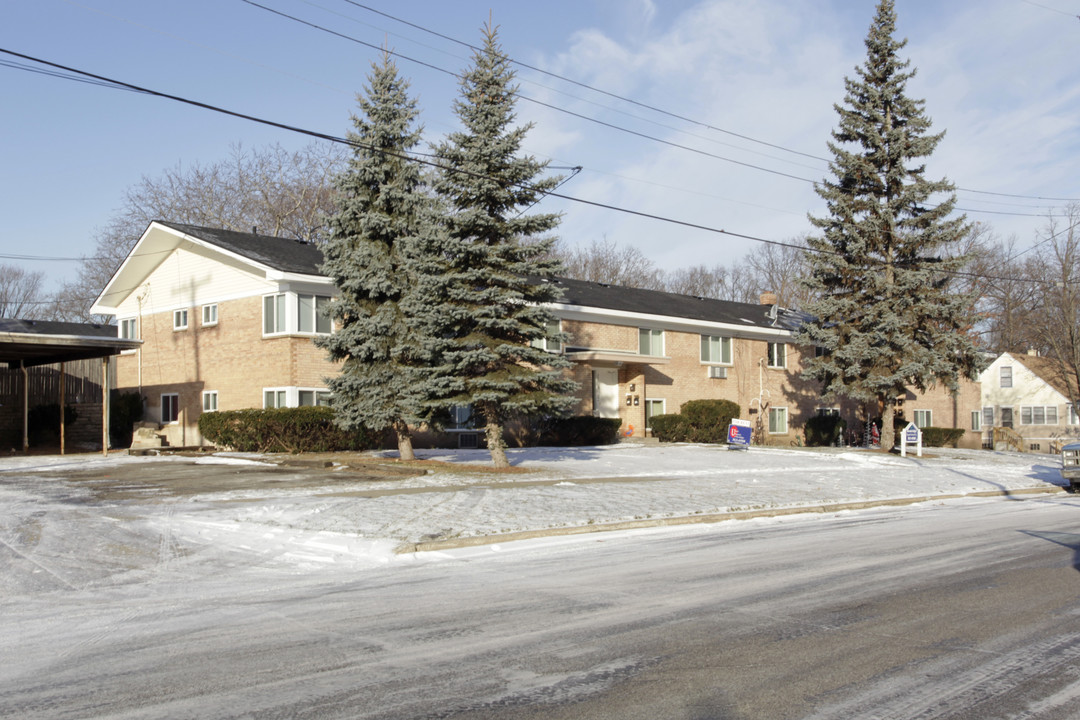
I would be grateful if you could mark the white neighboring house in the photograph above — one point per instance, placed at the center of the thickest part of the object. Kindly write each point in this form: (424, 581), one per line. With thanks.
(1024, 392)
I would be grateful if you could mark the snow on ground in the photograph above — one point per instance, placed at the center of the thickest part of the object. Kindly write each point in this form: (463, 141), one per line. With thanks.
(334, 521)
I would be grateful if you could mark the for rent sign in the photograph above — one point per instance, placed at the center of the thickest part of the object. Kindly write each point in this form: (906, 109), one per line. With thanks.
(739, 433)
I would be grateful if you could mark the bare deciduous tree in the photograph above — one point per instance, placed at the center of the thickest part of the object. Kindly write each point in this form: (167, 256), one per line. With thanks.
(21, 294)
(734, 283)
(780, 269)
(605, 261)
(1003, 280)
(281, 192)
(1057, 319)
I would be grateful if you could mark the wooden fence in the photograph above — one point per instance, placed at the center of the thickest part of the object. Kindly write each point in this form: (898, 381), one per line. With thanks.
(82, 383)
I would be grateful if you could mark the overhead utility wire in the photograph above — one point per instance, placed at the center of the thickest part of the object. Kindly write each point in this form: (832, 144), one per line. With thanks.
(410, 157)
(602, 123)
(655, 109)
(526, 98)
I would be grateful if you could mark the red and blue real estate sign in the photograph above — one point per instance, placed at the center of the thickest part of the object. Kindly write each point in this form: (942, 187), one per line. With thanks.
(739, 433)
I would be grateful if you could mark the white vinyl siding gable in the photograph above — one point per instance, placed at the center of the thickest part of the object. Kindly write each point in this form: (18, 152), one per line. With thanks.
(219, 278)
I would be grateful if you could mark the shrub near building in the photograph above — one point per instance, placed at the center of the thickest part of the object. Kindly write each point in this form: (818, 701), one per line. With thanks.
(291, 430)
(703, 421)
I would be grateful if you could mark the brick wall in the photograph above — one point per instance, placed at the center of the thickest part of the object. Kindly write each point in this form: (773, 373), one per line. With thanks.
(232, 358)
(750, 383)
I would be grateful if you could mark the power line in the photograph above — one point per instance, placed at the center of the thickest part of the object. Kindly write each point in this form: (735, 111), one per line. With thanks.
(596, 121)
(413, 157)
(668, 113)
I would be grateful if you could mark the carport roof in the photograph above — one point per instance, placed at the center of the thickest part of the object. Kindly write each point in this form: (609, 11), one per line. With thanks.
(43, 342)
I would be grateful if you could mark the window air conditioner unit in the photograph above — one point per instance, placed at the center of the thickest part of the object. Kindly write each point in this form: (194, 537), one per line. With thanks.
(717, 372)
(468, 441)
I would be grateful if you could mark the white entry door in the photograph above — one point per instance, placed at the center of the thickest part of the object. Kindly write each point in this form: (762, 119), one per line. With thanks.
(606, 392)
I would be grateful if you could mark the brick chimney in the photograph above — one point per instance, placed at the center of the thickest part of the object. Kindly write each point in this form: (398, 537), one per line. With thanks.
(769, 298)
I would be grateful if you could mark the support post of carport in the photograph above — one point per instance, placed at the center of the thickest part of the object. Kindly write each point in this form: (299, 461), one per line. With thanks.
(63, 382)
(26, 407)
(105, 406)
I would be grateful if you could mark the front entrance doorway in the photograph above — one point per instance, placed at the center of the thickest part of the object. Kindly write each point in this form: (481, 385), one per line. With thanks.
(606, 392)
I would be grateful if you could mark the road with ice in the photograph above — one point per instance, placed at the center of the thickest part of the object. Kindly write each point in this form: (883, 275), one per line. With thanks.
(138, 603)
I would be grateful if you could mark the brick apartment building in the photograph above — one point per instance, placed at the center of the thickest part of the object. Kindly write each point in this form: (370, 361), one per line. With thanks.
(227, 321)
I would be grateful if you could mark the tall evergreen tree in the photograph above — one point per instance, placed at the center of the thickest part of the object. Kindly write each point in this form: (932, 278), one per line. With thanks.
(486, 304)
(886, 315)
(383, 213)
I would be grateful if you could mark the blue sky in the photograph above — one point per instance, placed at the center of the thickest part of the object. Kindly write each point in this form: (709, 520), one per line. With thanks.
(998, 75)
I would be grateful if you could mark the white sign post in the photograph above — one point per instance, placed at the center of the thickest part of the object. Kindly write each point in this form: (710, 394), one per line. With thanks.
(911, 434)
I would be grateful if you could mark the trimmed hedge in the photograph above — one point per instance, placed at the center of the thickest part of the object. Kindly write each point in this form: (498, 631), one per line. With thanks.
(291, 430)
(581, 430)
(702, 421)
(824, 430)
(940, 437)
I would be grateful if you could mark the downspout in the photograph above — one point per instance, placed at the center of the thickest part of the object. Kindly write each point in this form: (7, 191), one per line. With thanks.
(139, 332)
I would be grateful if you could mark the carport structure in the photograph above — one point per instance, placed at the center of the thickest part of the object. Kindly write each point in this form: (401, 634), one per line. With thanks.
(29, 343)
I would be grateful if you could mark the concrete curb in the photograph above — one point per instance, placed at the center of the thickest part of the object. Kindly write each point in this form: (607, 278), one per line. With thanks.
(479, 540)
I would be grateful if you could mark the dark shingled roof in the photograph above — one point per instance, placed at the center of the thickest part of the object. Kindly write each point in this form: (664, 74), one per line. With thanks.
(49, 327)
(43, 342)
(300, 257)
(690, 307)
(284, 254)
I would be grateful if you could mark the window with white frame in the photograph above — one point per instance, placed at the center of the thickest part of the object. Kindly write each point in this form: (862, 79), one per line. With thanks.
(550, 341)
(1038, 415)
(988, 417)
(275, 398)
(778, 356)
(653, 407)
(716, 349)
(313, 398)
(311, 314)
(1073, 419)
(209, 314)
(274, 314)
(778, 421)
(209, 400)
(461, 418)
(651, 342)
(179, 319)
(976, 420)
(1005, 376)
(827, 411)
(923, 418)
(170, 408)
(129, 329)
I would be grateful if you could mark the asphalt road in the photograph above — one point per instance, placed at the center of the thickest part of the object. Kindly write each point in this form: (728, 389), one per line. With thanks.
(966, 609)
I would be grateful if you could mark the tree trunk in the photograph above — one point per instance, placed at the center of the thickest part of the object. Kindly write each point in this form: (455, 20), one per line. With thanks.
(495, 444)
(404, 442)
(888, 431)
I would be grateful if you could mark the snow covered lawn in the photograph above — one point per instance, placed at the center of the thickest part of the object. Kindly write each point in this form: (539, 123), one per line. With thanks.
(321, 517)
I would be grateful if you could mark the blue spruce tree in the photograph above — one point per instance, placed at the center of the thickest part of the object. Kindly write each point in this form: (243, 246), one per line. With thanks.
(887, 316)
(383, 219)
(486, 301)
